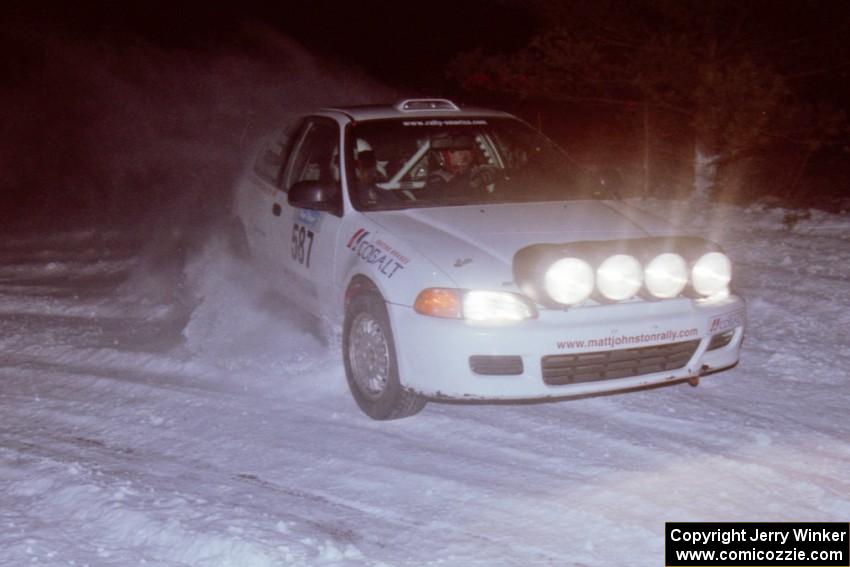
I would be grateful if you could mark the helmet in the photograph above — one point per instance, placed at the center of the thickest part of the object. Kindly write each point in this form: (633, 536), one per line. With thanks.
(363, 152)
(457, 160)
(361, 145)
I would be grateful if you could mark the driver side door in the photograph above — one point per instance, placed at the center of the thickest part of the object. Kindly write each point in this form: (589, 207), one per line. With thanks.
(307, 237)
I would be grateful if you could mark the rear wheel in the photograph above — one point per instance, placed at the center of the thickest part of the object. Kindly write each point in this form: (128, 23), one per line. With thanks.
(371, 366)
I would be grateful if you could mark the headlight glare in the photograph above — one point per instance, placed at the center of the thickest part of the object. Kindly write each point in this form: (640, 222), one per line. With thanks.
(619, 277)
(666, 275)
(569, 281)
(495, 306)
(711, 274)
(476, 306)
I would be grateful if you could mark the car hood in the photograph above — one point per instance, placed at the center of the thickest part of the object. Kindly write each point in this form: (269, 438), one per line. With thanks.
(475, 245)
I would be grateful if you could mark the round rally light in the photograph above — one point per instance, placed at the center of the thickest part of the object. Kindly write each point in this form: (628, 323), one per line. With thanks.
(569, 281)
(619, 277)
(666, 275)
(711, 274)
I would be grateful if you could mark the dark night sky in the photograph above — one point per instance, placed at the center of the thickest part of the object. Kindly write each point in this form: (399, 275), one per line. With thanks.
(402, 43)
(405, 44)
(90, 91)
(130, 103)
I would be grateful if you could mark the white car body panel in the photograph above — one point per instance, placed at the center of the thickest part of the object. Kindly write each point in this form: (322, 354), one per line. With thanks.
(405, 251)
(452, 342)
(475, 244)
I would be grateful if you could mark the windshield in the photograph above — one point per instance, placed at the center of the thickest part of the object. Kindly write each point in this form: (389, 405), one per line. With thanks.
(407, 163)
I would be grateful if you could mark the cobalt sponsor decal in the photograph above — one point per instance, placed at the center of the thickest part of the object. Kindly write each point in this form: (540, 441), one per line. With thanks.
(378, 253)
(727, 321)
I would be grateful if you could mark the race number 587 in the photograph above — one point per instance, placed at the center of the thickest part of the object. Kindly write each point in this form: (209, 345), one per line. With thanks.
(302, 244)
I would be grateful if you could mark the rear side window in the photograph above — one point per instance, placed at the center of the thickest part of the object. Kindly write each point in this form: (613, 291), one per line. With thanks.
(274, 149)
(270, 158)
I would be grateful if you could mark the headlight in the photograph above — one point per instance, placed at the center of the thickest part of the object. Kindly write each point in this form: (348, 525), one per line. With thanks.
(569, 281)
(478, 306)
(619, 277)
(666, 275)
(495, 306)
(711, 274)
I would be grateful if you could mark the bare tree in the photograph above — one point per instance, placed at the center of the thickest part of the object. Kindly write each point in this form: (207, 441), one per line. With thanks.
(734, 73)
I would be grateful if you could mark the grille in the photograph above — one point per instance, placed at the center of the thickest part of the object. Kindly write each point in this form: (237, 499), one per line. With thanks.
(496, 365)
(610, 364)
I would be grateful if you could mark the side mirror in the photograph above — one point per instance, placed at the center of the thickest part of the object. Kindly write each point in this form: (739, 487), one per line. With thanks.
(314, 195)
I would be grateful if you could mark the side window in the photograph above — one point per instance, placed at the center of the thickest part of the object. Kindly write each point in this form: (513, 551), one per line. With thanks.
(270, 159)
(316, 157)
(272, 153)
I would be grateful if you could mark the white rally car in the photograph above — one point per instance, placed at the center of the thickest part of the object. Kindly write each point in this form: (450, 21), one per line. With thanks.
(468, 258)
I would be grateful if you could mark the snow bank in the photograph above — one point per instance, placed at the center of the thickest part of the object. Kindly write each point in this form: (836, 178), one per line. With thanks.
(213, 427)
(241, 325)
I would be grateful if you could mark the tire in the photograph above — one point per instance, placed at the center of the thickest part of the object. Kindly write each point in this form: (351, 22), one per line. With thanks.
(371, 366)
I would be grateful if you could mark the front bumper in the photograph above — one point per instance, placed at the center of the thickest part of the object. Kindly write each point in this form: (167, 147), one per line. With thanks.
(436, 356)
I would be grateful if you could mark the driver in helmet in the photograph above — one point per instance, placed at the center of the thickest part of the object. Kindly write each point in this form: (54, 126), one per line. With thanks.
(367, 173)
(455, 155)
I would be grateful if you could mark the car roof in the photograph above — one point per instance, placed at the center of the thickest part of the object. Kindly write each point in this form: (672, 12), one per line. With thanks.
(414, 108)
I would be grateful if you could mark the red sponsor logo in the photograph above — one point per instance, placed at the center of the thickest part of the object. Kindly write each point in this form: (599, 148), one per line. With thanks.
(386, 259)
(727, 321)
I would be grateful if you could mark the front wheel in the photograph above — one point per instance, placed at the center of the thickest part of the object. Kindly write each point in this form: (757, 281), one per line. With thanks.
(370, 360)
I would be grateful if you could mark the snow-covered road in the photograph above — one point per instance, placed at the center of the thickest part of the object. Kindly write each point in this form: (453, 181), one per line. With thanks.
(134, 430)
